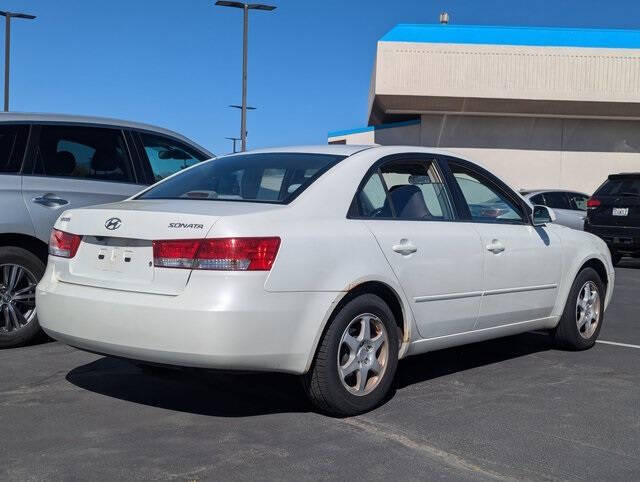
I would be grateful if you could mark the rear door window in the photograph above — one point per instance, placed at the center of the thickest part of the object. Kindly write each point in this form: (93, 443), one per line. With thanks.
(577, 201)
(273, 178)
(93, 153)
(405, 189)
(12, 144)
(167, 156)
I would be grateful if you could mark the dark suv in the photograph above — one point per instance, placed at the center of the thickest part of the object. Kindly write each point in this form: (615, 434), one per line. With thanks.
(50, 163)
(613, 213)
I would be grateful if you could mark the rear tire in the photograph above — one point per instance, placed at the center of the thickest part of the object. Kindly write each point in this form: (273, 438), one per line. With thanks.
(18, 320)
(583, 314)
(356, 360)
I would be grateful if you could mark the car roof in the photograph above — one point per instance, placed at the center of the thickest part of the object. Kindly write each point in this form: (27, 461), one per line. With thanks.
(533, 192)
(95, 121)
(350, 149)
(335, 149)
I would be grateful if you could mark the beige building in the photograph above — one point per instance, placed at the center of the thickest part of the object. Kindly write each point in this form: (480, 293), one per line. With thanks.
(541, 107)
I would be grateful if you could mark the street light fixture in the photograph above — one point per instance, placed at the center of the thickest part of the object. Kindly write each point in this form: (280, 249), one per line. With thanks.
(7, 49)
(245, 7)
(240, 107)
(234, 139)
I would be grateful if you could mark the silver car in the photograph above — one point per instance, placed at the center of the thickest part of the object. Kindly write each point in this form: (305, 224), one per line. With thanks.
(570, 206)
(50, 163)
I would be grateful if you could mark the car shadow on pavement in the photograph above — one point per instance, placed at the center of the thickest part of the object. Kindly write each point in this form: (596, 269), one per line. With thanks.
(440, 363)
(227, 394)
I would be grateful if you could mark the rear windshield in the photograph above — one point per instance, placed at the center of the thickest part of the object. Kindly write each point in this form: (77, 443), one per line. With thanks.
(620, 186)
(272, 178)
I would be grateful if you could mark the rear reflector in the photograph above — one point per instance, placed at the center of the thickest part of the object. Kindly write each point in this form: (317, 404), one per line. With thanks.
(64, 245)
(223, 254)
(593, 202)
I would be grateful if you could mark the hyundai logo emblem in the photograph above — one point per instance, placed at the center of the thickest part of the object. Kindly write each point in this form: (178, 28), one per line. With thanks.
(113, 223)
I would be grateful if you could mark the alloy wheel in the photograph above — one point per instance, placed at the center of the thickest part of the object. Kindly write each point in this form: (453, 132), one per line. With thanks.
(588, 309)
(363, 354)
(17, 297)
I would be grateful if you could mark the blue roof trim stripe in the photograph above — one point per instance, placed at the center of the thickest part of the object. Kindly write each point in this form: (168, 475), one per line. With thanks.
(358, 130)
(529, 36)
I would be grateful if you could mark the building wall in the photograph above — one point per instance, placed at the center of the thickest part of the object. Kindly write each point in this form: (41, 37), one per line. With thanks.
(507, 72)
(527, 152)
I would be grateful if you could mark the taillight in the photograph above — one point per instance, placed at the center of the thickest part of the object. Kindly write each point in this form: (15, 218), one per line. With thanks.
(593, 203)
(64, 245)
(175, 254)
(222, 254)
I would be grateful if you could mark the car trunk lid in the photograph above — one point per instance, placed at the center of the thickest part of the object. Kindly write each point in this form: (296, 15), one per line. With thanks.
(116, 251)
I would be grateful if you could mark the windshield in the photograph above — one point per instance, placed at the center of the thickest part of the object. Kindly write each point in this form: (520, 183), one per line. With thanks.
(629, 186)
(273, 178)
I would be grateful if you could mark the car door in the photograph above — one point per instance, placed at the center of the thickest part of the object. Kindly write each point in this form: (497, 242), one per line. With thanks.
(72, 166)
(437, 260)
(522, 263)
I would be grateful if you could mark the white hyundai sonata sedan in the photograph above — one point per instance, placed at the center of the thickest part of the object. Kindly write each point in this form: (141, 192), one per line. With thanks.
(331, 262)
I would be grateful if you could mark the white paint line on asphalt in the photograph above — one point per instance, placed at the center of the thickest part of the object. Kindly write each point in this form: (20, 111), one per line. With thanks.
(605, 342)
(615, 343)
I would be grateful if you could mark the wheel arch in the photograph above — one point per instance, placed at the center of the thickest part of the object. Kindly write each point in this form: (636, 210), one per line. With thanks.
(599, 267)
(593, 262)
(24, 241)
(388, 293)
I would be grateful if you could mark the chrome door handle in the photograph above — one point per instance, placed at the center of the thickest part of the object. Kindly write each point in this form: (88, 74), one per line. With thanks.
(405, 247)
(495, 247)
(50, 200)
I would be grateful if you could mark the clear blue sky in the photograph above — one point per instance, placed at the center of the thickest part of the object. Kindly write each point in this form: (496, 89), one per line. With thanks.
(177, 63)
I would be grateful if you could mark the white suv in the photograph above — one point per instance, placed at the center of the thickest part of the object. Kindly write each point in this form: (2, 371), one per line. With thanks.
(49, 163)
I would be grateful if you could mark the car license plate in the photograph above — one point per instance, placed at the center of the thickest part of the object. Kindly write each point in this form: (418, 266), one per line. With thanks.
(620, 211)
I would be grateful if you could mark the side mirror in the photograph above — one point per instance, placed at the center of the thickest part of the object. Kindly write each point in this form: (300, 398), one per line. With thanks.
(542, 215)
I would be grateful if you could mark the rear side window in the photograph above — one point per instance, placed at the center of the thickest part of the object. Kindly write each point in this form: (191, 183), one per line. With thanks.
(620, 186)
(12, 140)
(372, 199)
(167, 156)
(273, 178)
(83, 152)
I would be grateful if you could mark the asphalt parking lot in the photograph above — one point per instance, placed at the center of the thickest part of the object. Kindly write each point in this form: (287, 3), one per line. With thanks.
(508, 409)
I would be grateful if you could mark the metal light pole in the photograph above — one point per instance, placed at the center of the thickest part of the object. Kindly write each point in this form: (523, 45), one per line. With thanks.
(7, 49)
(245, 41)
(246, 132)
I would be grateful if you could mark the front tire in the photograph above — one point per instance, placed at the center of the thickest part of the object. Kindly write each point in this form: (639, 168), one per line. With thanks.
(20, 271)
(357, 358)
(583, 314)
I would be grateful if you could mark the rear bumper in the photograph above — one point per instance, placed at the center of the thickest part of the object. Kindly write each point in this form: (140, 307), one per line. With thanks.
(231, 323)
(619, 239)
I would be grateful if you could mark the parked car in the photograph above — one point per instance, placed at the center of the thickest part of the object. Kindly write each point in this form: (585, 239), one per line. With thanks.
(614, 214)
(330, 262)
(570, 206)
(49, 163)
